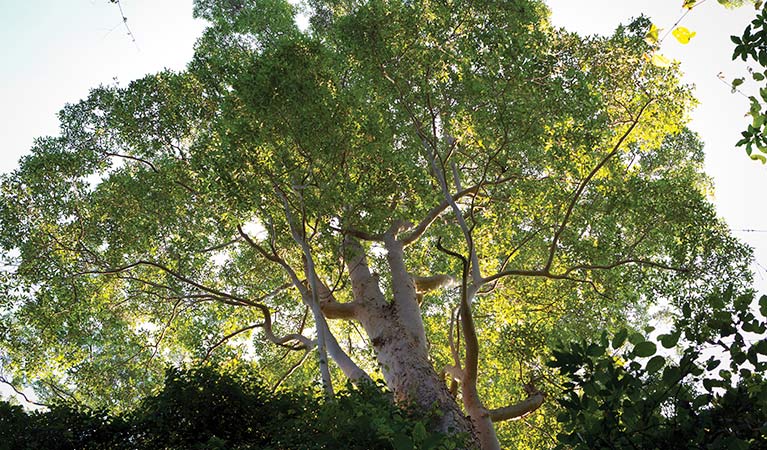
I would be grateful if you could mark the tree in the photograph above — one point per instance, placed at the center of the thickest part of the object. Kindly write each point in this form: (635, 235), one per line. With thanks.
(460, 179)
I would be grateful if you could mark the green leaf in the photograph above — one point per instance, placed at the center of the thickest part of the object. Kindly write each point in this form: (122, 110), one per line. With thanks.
(645, 349)
(669, 340)
(402, 442)
(683, 35)
(702, 400)
(689, 4)
(636, 338)
(758, 157)
(652, 35)
(761, 346)
(734, 443)
(620, 336)
(655, 364)
(419, 432)
(710, 384)
(594, 350)
(671, 375)
(758, 121)
(763, 305)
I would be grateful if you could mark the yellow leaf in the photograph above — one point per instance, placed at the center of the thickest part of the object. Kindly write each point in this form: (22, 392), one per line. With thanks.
(689, 4)
(659, 60)
(683, 35)
(652, 36)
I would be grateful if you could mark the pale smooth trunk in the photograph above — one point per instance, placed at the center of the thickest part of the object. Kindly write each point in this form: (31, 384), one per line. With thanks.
(408, 372)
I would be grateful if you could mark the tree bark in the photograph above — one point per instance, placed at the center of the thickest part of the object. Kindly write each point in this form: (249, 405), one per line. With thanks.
(397, 334)
(409, 374)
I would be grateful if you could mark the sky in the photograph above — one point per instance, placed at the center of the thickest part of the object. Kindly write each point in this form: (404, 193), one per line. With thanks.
(54, 51)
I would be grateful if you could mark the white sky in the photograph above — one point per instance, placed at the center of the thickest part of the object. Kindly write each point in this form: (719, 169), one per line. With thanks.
(54, 51)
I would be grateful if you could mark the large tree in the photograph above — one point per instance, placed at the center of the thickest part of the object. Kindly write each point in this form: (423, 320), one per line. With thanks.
(458, 178)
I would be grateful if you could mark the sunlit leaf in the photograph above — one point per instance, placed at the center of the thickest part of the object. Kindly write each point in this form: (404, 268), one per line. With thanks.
(683, 35)
(652, 36)
(659, 60)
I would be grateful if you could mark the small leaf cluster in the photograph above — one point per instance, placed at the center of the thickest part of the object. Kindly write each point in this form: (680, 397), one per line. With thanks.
(622, 394)
(752, 45)
(207, 408)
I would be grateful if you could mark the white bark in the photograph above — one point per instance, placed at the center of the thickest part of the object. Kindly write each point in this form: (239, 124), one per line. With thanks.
(408, 310)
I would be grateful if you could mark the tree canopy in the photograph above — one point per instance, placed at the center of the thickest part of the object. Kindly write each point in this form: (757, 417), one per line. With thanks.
(425, 192)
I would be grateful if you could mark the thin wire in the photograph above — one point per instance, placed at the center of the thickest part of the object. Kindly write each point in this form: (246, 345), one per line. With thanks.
(125, 22)
(681, 18)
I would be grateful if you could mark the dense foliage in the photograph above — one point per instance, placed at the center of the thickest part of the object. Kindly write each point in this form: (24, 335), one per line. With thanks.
(209, 409)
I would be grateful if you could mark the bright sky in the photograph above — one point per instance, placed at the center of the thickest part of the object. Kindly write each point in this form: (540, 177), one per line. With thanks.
(54, 51)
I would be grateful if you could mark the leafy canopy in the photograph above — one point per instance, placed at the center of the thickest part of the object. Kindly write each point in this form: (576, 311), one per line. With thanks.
(125, 236)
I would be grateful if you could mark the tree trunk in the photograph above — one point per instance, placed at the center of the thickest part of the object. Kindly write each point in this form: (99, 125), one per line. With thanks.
(397, 335)
(409, 373)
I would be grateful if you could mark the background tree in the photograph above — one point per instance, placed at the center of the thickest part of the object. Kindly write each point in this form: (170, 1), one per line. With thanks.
(319, 187)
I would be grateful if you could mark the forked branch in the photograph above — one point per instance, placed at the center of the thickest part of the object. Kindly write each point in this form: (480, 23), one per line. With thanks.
(582, 186)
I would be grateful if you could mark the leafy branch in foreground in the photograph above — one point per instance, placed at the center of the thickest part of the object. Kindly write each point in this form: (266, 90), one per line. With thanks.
(632, 396)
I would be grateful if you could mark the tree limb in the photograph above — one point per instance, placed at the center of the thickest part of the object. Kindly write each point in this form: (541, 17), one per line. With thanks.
(21, 393)
(227, 337)
(365, 287)
(623, 262)
(519, 410)
(223, 296)
(467, 323)
(290, 371)
(433, 214)
(586, 181)
(403, 289)
(424, 285)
